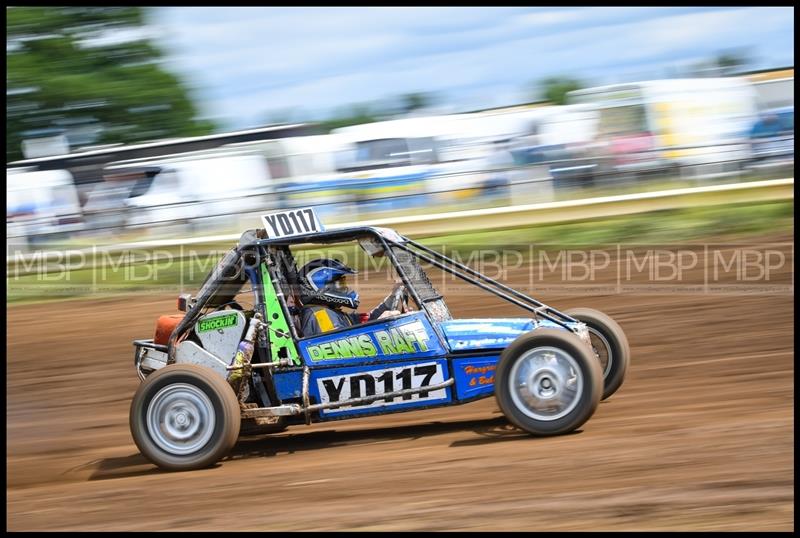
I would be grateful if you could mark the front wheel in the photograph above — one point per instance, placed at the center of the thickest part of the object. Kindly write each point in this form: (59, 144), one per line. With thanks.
(609, 344)
(547, 382)
(184, 417)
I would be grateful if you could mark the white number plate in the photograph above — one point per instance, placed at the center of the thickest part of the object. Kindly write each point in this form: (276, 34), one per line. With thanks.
(358, 385)
(292, 222)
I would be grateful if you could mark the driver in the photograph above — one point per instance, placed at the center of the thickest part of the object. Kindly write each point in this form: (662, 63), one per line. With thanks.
(328, 293)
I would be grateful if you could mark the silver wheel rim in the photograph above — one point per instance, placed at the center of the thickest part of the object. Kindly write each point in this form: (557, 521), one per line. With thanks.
(180, 419)
(604, 356)
(546, 383)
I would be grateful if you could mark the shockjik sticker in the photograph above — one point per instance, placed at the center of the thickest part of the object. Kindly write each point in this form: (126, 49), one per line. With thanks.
(217, 322)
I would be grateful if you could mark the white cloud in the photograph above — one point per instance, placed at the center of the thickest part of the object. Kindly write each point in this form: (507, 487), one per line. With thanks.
(247, 61)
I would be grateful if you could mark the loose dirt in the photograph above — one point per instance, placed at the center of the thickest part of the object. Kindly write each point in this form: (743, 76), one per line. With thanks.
(700, 436)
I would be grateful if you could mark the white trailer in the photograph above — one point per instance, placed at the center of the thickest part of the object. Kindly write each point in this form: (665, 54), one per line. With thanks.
(40, 203)
(209, 189)
(694, 122)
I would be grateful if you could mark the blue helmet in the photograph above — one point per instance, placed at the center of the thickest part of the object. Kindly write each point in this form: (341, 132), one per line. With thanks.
(326, 278)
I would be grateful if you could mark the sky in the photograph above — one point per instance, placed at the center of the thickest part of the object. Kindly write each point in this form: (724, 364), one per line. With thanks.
(246, 65)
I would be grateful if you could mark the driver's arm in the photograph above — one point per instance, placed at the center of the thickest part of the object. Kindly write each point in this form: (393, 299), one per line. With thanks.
(376, 312)
(389, 304)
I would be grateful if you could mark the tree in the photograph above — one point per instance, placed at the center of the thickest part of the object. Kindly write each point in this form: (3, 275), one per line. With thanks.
(724, 64)
(703, 69)
(283, 116)
(415, 101)
(356, 115)
(71, 70)
(378, 110)
(731, 61)
(555, 89)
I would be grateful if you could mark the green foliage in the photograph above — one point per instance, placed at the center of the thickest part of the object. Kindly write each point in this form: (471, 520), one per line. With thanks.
(57, 79)
(724, 64)
(733, 222)
(723, 222)
(378, 111)
(733, 60)
(555, 89)
(416, 101)
(355, 115)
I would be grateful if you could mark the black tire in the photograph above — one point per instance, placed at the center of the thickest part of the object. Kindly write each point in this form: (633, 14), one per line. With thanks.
(616, 360)
(581, 407)
(203, 392)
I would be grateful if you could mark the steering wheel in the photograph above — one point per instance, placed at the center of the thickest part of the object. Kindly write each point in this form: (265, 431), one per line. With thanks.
(404, 307)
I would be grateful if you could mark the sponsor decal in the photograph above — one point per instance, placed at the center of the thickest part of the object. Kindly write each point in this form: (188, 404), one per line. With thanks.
(481, 375)
(218, 322)
(375, 382)
(405, 339)
(477, 343)
(343, 348)
(475, 376)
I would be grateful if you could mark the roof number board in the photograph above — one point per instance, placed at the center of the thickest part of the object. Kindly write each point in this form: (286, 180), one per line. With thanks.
(293, 222)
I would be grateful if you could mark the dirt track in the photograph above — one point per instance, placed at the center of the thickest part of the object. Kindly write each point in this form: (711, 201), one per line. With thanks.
(700, 436)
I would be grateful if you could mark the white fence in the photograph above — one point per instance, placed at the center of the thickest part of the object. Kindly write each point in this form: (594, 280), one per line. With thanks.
(496, 218)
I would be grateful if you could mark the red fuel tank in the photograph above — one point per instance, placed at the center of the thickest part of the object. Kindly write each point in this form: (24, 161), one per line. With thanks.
(164, 327)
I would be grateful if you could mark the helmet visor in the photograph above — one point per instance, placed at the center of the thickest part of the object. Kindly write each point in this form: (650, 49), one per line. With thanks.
(340, 284)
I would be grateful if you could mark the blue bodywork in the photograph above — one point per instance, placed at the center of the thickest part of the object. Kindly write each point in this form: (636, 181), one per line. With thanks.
(403, 352)
(402, 355)
(487, 333)
(772, 136)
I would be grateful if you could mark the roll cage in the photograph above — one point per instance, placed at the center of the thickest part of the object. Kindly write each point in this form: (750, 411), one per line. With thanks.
(270, 266)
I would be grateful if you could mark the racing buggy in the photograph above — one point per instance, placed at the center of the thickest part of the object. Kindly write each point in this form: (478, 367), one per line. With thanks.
(220, 369)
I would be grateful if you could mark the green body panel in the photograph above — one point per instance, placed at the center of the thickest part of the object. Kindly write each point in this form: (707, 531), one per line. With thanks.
(277, 321)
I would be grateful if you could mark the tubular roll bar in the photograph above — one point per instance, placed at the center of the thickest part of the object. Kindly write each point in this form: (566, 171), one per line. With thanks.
(207, 291)
(475, 277)
(411, 289)
(446, 264)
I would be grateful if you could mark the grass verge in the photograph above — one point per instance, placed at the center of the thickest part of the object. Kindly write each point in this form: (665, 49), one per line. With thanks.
(166, 274)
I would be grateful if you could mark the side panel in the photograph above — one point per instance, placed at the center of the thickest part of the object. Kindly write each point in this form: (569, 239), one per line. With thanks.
(288, 385)
(339, 384)
(474, 376)
(220, 332)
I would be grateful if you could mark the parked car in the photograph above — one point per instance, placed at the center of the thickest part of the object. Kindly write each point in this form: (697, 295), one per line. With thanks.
(41, 204)
(772, 137)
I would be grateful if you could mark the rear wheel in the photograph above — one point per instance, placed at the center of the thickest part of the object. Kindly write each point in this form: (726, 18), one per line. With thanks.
(609, 344)
(184, 417)
(547, 382)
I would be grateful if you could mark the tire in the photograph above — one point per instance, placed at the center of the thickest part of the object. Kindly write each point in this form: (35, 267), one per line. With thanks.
(184, 392)
(605, 332)
(536, 351)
